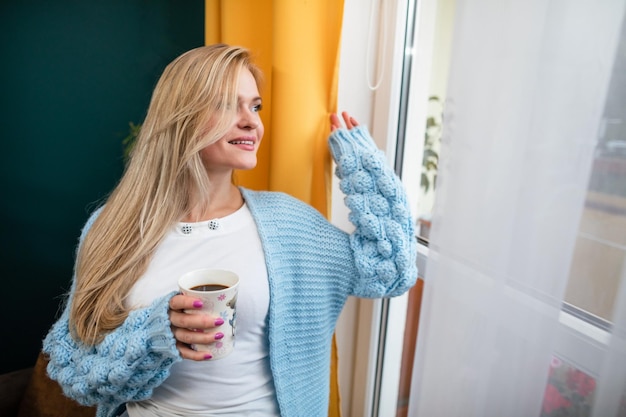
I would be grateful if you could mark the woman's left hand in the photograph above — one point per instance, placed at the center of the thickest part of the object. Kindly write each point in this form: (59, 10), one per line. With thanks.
(189, 329)
(335, 123)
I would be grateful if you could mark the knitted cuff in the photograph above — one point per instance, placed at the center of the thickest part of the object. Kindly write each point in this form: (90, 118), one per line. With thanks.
(127, 365)
(383, 242)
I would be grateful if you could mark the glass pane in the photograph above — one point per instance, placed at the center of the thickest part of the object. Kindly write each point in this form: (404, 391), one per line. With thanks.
(600, 250)
(434, 119)
(430, 163)
(408, 348)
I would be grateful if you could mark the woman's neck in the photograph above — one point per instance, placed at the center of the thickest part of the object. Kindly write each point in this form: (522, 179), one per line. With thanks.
(225, 199)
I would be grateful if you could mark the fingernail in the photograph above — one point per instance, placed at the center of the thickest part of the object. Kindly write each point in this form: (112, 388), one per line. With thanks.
(219, 336)
(208, 356)
(197, 304)
(219, 321)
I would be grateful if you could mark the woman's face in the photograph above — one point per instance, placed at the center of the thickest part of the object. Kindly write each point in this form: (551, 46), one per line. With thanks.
(238, 148)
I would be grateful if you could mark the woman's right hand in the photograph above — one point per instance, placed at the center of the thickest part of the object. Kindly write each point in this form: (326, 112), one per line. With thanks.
(349, 121)
(189, 329)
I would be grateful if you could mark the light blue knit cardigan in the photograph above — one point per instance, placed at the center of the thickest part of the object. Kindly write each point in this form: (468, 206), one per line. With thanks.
(312, 268)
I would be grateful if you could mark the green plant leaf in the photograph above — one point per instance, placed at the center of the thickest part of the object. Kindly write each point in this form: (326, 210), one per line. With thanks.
(425, 183)
(430, 154)
(129, 141)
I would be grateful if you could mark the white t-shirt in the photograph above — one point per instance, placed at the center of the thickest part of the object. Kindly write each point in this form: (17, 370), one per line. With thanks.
(240, 384)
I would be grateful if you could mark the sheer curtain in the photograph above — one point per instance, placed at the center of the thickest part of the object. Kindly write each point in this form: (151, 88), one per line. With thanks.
(535, 104)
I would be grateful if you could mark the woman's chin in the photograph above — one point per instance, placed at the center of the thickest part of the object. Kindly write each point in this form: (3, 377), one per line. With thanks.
(246, 166)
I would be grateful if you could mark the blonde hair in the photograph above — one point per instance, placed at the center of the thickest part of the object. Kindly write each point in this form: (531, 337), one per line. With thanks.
(191, 107)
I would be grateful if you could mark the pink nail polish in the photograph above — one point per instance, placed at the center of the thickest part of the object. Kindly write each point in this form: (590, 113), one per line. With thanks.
(219, 336)
(219, 321)
(208, 356)
(197, 304)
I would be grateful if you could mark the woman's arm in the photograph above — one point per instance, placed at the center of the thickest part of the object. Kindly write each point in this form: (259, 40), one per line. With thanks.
(132, 360)
(383, 243)
(127, 365)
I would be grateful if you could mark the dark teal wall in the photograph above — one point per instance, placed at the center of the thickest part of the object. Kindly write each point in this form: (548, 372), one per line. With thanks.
(73, 74)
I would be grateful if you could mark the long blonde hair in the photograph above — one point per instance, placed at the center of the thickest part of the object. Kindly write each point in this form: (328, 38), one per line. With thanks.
(191, 107)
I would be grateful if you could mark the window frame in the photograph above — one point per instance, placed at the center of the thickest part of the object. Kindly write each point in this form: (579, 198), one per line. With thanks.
(375, 391)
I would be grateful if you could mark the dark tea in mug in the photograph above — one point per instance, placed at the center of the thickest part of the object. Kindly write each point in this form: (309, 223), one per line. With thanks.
(209, 287)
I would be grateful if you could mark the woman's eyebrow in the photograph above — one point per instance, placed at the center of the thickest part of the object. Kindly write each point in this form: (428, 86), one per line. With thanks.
(256, 98)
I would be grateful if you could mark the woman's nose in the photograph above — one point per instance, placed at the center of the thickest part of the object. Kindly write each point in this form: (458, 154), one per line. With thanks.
(249, 120)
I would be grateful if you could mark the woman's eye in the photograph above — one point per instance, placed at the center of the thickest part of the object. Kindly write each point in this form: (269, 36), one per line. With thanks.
(257, 108)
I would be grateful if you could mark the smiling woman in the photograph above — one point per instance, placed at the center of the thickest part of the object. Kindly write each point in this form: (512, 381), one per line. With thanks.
(128, 332)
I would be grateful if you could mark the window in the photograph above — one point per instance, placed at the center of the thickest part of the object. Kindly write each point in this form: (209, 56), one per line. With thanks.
(600, 250)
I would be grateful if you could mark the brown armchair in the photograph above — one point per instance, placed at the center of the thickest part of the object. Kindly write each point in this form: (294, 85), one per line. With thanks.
(30, 393)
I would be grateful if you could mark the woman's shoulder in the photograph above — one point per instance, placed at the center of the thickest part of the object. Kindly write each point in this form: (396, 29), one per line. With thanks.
(90, 221)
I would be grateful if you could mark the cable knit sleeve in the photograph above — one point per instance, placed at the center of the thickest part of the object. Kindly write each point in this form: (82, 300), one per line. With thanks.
(384, 242)
(126, 366)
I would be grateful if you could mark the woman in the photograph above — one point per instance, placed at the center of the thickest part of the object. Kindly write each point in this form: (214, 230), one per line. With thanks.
(124, 340)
